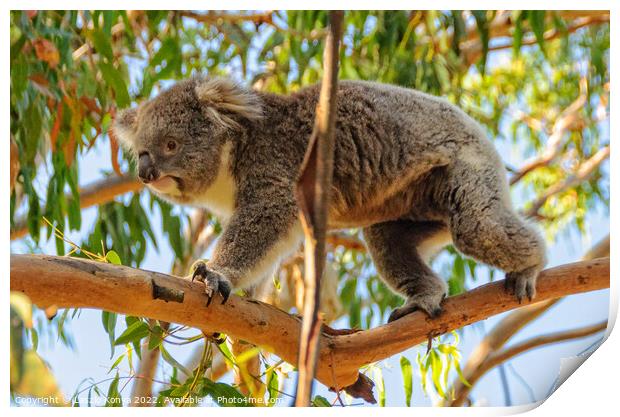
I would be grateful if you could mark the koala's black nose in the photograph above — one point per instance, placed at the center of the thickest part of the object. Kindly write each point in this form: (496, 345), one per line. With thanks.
(146, 171)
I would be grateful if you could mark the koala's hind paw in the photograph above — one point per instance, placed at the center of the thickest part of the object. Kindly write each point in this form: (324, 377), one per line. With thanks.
(213, 280)
(522, 283)
(429, 303)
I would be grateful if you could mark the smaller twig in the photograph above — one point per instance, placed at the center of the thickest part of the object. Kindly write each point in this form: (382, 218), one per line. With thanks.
(472, 50)
(14, 165)
(567, 120)
(510, 352)
(585, 170)
(219, 18)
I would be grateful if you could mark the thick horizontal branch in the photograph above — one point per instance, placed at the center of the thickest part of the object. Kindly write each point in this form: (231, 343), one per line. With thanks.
(100, 192)
(72, 282)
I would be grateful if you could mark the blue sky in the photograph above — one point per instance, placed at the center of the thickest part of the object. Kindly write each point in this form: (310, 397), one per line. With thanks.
(91, 354)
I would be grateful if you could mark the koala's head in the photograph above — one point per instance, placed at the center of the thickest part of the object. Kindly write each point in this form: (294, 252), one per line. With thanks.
(178, 136)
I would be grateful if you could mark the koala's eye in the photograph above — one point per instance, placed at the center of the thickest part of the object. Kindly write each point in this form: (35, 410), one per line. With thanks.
(171, 146)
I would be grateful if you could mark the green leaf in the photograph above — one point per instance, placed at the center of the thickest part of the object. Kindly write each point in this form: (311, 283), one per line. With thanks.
(137, 331)
(102, 44)
(482, 24)
(457, 366)
(405, 366)
(34, 338)
(114, 79)
(380, 384)
(156, 337)
(113, 258)
(320, 401)
(116, 362)
(246, 355)
(114, 398)
(229, 357)
(73, 205)
(517, 35)
(537, 22)
(173, 362)
(180, 390)
(272, 386)
(109, 325)
(225, 395)
(436, 368)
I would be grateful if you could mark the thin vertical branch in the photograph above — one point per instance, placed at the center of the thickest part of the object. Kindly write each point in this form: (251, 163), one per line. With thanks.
(14, 167)
(312, 194)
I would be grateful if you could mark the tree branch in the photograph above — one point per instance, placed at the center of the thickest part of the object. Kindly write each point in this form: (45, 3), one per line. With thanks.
(585, 170)
(502, 26)
(99, 192)
(14, 164)
(600, 250)
(211, 17)
(497, 358)
(313, 196)
(506, 329)
(71, 282)
(567, 120)
(511, 352)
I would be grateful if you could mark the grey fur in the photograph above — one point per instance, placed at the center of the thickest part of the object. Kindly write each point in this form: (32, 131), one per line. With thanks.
(412, 170)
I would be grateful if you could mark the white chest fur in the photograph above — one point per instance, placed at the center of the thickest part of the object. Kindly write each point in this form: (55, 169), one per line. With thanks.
(219, 198)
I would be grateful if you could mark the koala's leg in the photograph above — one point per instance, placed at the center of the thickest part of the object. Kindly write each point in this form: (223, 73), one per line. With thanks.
(485, 227)
(397, 249)
(256, 238)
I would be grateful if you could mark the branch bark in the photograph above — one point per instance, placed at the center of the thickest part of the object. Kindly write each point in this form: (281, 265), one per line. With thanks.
(99, 192)
(71, 282)
(313, 196)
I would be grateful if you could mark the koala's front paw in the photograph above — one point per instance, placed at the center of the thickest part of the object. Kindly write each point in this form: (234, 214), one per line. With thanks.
(430, 303)
(213, 280)
(522, 283)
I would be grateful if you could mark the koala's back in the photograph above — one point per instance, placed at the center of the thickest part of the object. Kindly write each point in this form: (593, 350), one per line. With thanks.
(391, 145)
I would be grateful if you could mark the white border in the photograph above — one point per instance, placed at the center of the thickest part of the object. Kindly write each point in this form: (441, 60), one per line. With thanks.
(592, 390)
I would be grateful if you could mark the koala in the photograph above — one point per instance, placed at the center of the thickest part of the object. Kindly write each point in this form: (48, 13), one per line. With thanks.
(410, 169)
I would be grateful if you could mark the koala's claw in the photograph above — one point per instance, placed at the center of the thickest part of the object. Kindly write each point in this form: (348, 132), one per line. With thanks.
(430, 304)
(522, 284)
(214, 282)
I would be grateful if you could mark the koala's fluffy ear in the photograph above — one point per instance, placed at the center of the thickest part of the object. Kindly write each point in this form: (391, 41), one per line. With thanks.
(226, 102)
(125, 126)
